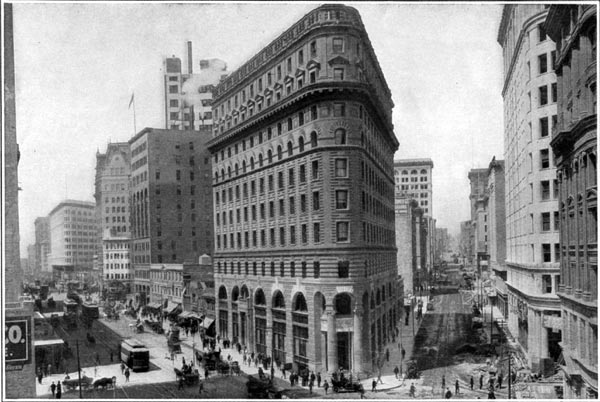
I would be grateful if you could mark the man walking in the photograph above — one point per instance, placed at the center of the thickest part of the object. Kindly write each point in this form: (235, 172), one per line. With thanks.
(387, 355)
(403, 353)
(53, 388)
(58, 390)
(127, 374)
(374, 386)
(443, 382)
(481, 381)
(396, 371)
(457, 388)
(325, 386)
(471, 383)
(319, 379)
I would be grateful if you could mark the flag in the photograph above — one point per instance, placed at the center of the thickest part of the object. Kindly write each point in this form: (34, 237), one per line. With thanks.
(130, 101)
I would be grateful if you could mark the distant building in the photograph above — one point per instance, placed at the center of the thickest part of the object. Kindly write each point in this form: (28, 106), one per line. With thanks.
(31, 259)
(171, 201)
(113, 171)
(411, 239)
(575, 145)
(73, 235)
(116, 259)
(188, 97)
(442, 244)
(533, 252)
(413, 179)
(42, 247)
(479, 225)
(465, 243)
(303, 180)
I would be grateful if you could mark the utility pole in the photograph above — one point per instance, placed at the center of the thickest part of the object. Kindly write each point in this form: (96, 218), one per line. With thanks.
(509, 374)
(78, 368)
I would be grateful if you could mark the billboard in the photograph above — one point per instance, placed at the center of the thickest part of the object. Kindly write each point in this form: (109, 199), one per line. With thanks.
(17, 337)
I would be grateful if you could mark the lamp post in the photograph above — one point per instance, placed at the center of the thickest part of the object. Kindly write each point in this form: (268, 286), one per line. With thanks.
(78, 368)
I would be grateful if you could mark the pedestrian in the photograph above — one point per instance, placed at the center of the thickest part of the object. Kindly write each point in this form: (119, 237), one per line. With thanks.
(448, 394)
(325, 386)
(403, 353)
(206, 372)
(200, 388)
(319, 379)
(412, 391)
(53, 388)
(491, 394)
(471, 383)
(244, 358)
(58, 390)
(361, 389)
(40, 376)
(374, 385)
(180, 383)
(387, 355)
(98, 358)
(310, 386)
(95, 371)
(122, 368)
(499, 381)
(481, 381)
(283, 371)
(111, 356)
(443, 382)
(127, 374)
(313, 377)
(457, 388)
(396, 371)
(183, 360)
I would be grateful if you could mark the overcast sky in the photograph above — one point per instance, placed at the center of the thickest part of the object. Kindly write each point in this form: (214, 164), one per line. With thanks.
(78, 64)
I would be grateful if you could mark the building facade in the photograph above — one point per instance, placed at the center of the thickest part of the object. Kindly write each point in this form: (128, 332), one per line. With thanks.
(73, 236)
(116, 259)
(530, 95)
(411, 241)
(113, 171)
(574, 141)
(42, 246)
(479, 224)
(303, 178)
(188, 97)
(171, 201)
(413, 179)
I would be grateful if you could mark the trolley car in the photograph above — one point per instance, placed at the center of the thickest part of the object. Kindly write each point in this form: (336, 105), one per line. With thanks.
(135, 355)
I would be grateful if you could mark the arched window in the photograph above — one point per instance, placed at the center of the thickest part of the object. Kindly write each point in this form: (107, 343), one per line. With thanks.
(279, 153)
(290, 148)
(228, 171)
(223, 174)
(216, 176)
(237, 171)
(378, 297)
(245, 292)
(404, 172)
(300, 303)
(290, 124)
(251, 163)
(278, 300)
(423, 171)
(243, 166)
(313, 139)
(414, 171)
(260, 160)
(340, 136)
(343, 304)
(259, 298)
(279, 128)
(301, 144)
(235, 294)
(270, 156)
(222, 293)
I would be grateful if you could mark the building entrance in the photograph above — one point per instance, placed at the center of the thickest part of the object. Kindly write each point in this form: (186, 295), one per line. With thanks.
(343, 349)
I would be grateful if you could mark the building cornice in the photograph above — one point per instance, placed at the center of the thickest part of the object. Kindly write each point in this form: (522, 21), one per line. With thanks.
(554, 21)
(536, 301)
(563, 141)
(550, 268)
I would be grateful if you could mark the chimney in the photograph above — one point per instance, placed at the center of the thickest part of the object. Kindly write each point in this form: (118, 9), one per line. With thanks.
(189, 47)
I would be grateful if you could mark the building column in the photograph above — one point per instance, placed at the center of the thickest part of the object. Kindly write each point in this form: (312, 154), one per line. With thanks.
(229, 318)
(250, 328)
(357, 344)
(543, 337)
(332, 353)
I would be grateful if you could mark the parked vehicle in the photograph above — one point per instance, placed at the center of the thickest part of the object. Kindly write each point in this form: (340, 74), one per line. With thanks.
(135, 355)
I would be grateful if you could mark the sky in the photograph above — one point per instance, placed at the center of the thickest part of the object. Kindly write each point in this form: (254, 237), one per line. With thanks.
(77, 65)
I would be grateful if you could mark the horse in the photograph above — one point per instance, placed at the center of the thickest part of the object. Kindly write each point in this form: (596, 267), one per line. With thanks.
(104, 382)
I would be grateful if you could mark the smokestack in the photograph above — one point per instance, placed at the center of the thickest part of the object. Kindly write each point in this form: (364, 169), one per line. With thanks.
(189, 46)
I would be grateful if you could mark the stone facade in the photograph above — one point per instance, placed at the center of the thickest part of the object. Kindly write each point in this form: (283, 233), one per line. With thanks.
(530, 95)
(305, 262)
(574, 141)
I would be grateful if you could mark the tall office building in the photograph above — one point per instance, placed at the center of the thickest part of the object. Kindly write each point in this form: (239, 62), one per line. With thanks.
(479, 224)
(188, 97)
(113, 172)
(530, 95)
(574, 141)
(171, 201)
(42, 247)
(413, 179)
(73, 235)
(305, 262)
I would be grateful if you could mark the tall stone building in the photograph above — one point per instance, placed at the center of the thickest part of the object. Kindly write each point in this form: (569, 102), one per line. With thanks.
(42, 247)
(530, 95)
(19, 368)
(413, 178)
(574, 141)
(171, 201)
(188, 97)
(303, 176)
(479, 218)
(112, 194)
(411, 240)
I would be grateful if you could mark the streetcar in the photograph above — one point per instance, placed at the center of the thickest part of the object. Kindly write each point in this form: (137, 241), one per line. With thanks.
(70, 308)
(90, 310)
(135, 355)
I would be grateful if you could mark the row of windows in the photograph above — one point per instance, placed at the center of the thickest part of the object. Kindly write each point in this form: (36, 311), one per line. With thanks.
(543, 94)
(117, 266)
(413, 171)
(118, 276)
(411, 179)
(77, 212)
(116, 245)
(118, 229)
(112, 256)
(115, 200)
(342, 235)
(115, 209)
(293, 271)
(114, 187)
(341, 171)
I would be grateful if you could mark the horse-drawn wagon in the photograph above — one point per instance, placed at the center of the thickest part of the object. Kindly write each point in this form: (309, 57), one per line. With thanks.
(72, 383)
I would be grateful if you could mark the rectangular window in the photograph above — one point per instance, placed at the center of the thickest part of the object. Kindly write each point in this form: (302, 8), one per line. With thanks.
(173, 89)
(292, 234)
(316, 269)
(291, 177)
(302, 174)
(543, 90)
(544, 158)
(556, 221)
(173, 102)
(281, 208)
(554, 92)
(300, 57)
(313, 48)
(271, 209)
(292, 205)
(280, 180)
(302, 202)
(545, 189)
(272, 237)
(316, 232)
(557, 259)
(315, 201)
(338, 45)
(343, 269)
(546, 283)
(341, 167)
(263, 238)
(315, 170)
(544, 127)
(289, 64)
(543, 63)
(279, 72)
(262, 211)
(271, 184)
(341, 199)
(338, 74)
(282, 236)
(339, 109)
(555, 183)
(546, 221)
(541, 32)
(304, 230)
(342, 234)
(546, 253)
(312, 77)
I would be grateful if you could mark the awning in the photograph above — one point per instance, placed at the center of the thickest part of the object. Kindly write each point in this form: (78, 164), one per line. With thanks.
(171, 308)
(153, 305)
(48, 342)
(208, 322)
(188, 314)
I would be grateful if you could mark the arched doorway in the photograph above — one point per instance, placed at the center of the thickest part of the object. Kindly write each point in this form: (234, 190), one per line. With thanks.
(344, 307)
(279, 328)
(235, 328)
(260, 322)
(223, 312)
(300, 331)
